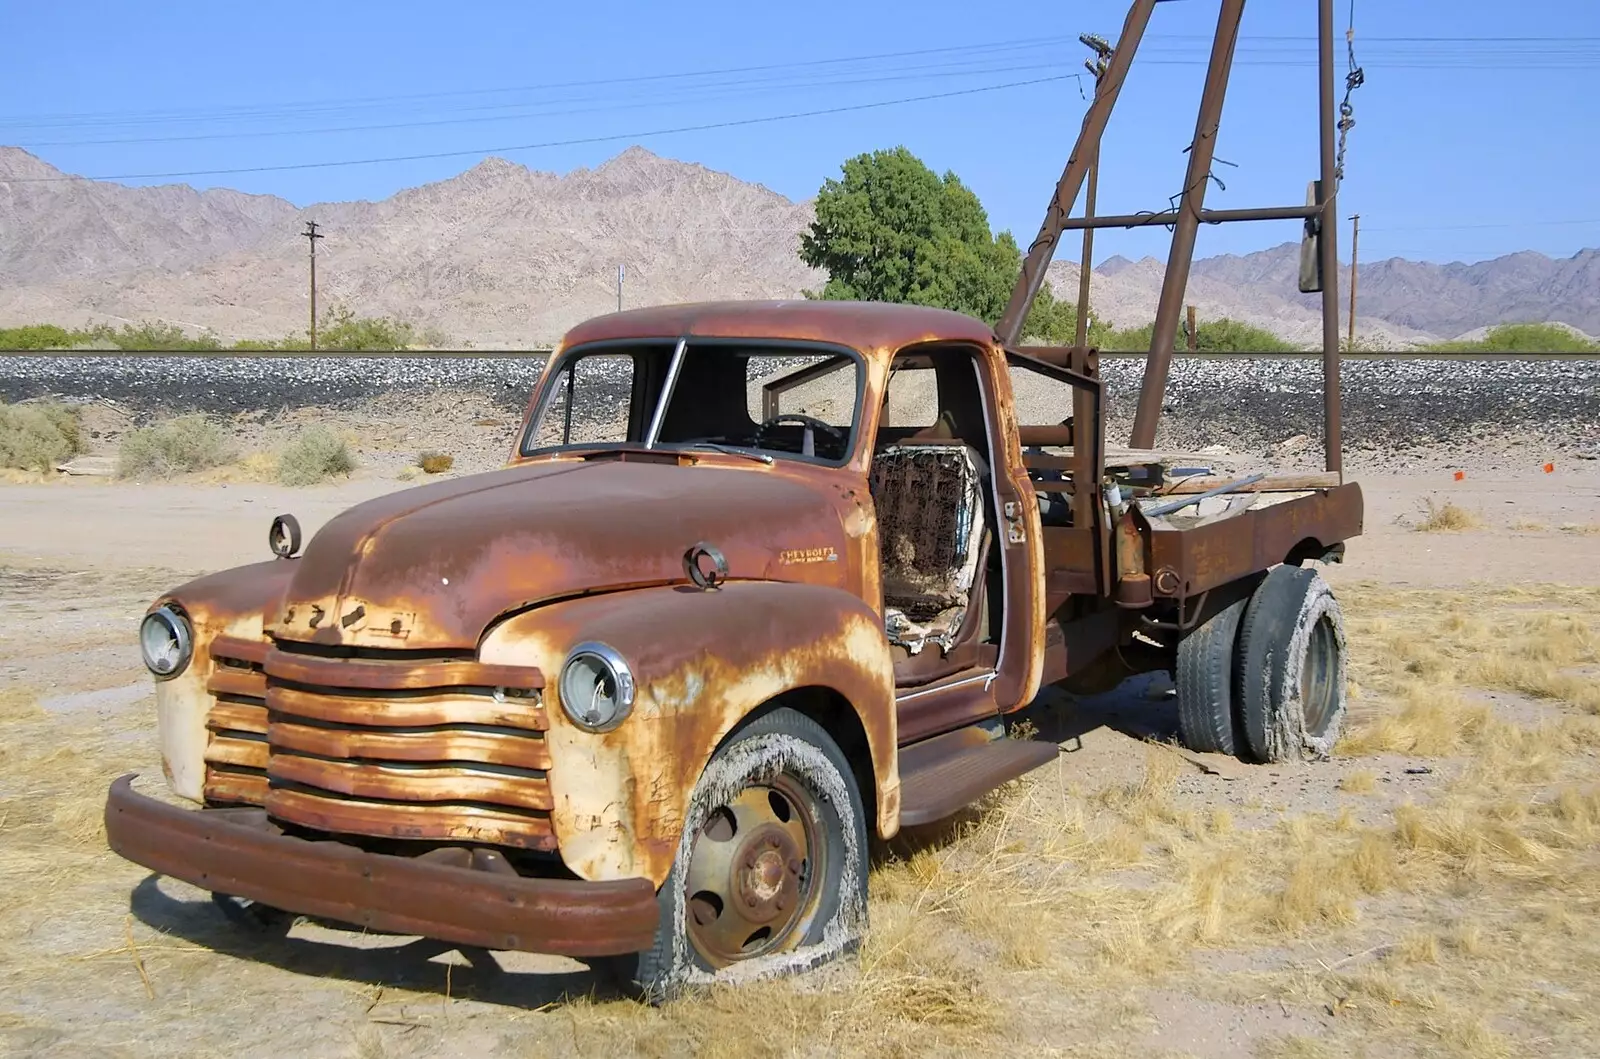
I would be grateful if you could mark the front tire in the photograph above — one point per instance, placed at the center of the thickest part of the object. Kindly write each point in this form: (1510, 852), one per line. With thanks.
(1292, 668)
(771, 872)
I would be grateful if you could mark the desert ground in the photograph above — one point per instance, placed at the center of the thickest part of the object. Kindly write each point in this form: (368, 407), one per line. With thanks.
(1432, 890)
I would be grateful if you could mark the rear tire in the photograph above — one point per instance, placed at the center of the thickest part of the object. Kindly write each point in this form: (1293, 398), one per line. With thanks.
(1205, 679)
(778, 792)
(1291, 675)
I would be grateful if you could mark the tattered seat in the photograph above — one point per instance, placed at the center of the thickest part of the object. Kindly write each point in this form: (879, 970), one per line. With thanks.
(931, 524)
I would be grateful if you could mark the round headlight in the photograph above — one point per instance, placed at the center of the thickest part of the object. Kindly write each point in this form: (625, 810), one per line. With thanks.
(596, 687)
(166, 640)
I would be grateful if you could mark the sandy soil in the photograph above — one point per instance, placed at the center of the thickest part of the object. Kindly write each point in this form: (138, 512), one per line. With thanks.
(97, 956)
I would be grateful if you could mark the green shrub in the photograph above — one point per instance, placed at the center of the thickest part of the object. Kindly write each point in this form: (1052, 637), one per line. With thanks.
(171, 447)
(315, 456)
(1521, 338)
(37, 437)
(1211, 336)
(39, 336)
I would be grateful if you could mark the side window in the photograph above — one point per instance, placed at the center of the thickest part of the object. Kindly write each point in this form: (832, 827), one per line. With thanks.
(602, 385)
(912, 395)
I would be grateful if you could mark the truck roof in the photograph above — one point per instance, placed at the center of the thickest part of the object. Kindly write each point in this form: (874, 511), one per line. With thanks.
(864, 326)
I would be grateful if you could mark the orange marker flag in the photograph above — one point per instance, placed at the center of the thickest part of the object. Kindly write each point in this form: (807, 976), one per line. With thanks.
(1460, 475)
(1549, 468)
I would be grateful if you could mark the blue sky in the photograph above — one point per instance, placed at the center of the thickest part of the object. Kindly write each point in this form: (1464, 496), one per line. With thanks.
(1476, 131)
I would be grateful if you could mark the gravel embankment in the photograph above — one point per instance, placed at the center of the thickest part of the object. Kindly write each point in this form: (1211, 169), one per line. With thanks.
(1248, 401)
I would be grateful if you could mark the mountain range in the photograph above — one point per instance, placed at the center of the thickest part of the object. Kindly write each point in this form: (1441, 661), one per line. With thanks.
(505, 256)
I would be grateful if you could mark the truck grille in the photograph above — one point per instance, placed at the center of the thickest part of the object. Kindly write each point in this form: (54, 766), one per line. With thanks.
(236, 750)
(385, 745)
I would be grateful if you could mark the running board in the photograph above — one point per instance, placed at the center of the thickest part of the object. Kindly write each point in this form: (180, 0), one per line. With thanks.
(939, 776)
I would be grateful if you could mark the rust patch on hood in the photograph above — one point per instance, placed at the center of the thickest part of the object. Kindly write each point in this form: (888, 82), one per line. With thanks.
(430, 568)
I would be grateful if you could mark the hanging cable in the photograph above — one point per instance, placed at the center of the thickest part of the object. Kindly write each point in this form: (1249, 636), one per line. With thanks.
(1354, 78)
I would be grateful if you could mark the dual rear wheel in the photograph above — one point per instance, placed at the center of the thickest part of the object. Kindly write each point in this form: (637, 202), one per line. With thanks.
(1264, 677)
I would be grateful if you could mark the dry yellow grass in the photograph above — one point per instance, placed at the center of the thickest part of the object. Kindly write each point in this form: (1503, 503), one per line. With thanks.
(1581, 529)
(1361, 781)
(1446, 517)
(1051, 906)
(1528, 525)
(435, 462)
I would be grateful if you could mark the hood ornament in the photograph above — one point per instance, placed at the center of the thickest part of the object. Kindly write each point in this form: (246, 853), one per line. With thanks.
(284, 536)
(694, 561)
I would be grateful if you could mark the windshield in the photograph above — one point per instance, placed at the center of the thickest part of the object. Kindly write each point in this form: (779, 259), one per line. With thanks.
(771, 400)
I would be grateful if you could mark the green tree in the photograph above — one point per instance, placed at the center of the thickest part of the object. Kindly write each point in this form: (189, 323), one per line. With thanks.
(1521, 338)
(1054, 322)
(892, 230)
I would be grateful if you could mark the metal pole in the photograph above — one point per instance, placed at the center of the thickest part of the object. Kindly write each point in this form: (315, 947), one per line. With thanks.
(1145, 220)
(1355, 238)
(1087, 261)
(1329, 239)
(1184, 230)
(1066, 193)
(619, 286)
(1189, 332)
(312, 236)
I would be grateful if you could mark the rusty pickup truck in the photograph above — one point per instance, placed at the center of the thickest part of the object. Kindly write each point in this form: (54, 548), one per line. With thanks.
(759, 582)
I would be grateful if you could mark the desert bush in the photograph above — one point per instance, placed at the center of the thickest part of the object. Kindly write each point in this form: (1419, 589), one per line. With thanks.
(36, 437)
(1521, 338)
(436, 462)
(316, 455)
(1446, 517)
(180, 445)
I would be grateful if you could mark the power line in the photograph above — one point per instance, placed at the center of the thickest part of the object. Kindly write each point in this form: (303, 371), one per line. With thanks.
(1570, 49)
(743, 91)
(317, 105)
(707, 126)
(1497, 224)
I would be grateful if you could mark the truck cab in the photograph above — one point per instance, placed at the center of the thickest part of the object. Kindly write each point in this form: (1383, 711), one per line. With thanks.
(758, 581)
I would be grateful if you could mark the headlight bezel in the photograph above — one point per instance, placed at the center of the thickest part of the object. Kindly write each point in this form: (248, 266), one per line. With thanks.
(179, 630)
(621, 677)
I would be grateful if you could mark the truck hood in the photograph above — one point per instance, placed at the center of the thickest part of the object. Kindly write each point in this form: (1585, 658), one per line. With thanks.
(432, 567)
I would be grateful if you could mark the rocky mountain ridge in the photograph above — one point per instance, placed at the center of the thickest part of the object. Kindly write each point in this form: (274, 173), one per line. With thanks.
(502, 255)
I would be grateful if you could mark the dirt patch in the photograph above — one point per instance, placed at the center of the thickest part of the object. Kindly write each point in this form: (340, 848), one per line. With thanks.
(1430, 891)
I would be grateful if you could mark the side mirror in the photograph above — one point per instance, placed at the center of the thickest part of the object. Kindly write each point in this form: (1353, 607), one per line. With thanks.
(1311, 244)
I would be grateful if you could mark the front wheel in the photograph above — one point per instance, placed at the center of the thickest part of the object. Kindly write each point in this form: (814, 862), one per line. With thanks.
(771, 872)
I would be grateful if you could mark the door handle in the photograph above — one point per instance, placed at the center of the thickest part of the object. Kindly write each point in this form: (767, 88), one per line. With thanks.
(1013, 515)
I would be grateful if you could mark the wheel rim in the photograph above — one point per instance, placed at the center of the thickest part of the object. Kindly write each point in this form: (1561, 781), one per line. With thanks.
(1317, 692)
(754, 873)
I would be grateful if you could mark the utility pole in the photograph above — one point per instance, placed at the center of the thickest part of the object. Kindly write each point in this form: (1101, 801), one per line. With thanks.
(1192, 338)
(312, 235)
(1355, 237)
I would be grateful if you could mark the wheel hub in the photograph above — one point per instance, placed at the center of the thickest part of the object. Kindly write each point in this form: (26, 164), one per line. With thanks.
(752, 886)
(763, 877)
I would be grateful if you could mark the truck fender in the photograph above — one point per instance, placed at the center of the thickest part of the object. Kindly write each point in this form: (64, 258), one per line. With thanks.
(701, 661)
(239, 602)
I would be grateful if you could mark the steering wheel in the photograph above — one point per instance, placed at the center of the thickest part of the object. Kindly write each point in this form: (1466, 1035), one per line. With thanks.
(808, 444)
